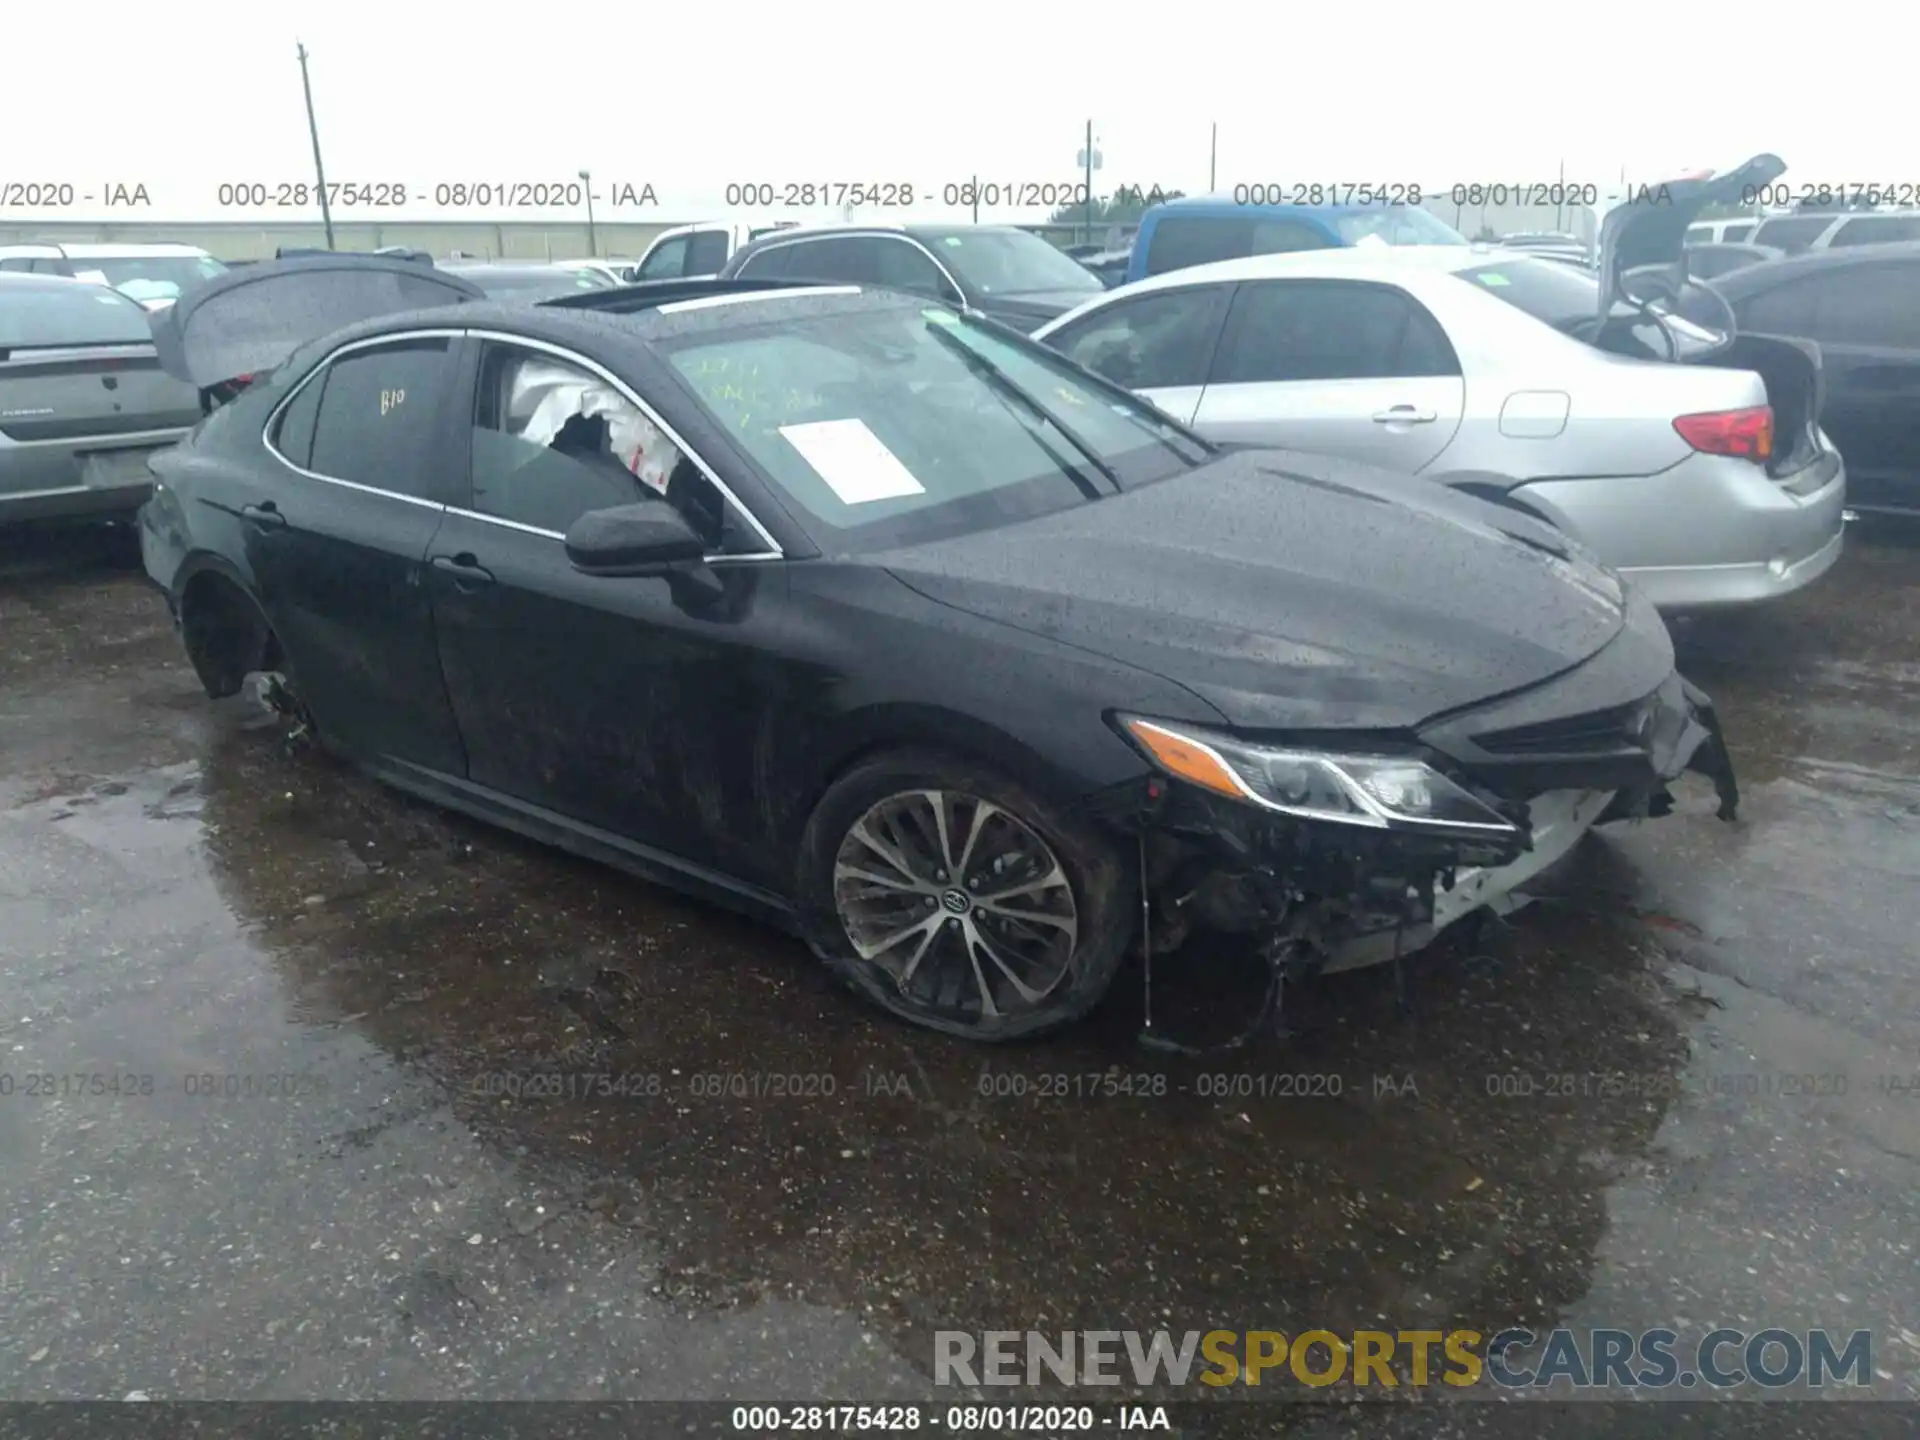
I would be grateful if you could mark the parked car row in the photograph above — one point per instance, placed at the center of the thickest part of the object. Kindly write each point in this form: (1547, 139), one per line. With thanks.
(907, 588)
(1799, 230)
(154, 275)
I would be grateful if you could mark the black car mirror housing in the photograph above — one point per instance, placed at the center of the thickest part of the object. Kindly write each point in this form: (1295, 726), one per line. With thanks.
(649, 538)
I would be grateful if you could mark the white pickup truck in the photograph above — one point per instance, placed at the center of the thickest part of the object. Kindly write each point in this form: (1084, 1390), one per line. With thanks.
(699, 249)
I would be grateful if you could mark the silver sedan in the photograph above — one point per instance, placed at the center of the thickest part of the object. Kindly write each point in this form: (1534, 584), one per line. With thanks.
(1690, 460)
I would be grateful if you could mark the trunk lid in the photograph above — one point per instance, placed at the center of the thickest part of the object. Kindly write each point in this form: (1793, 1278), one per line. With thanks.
(250, 319)
(1292, 592)
(1650, 227)
(90, 392)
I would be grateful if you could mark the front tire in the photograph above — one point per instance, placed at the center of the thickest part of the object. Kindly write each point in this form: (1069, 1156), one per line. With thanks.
(961, 901)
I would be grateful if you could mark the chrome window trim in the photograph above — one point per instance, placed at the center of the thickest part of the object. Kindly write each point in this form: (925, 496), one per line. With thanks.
(718, 558)
(958, 288)
(708, 302)
(572, 357)
(772, 552)
(398, 337)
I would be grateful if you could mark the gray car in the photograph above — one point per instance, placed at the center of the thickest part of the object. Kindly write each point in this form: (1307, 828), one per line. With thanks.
(1537, 384)
(83, 401)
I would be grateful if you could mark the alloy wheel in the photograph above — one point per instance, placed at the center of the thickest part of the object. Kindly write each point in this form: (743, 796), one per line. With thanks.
(963, 905)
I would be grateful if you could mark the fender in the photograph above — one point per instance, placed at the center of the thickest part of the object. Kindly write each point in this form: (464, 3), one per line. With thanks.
(855, 736)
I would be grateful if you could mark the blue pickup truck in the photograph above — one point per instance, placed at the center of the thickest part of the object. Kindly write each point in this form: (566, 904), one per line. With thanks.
(1198, 231)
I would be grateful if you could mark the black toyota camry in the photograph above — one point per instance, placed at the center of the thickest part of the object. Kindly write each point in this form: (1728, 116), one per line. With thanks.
(877, 620)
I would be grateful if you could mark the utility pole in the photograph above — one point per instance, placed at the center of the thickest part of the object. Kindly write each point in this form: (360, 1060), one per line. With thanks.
(1090, 161)
(976, 199)
(1213, 157)
(593, 244)
(313, 130)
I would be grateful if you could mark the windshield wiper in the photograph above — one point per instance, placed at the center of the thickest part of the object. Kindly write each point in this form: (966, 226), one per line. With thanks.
(1003, 385)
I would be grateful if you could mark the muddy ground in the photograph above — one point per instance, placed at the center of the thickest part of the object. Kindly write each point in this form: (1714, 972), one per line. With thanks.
(1592, 1115)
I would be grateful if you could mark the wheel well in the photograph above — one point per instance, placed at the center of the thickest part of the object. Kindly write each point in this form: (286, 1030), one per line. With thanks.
(226, 634)
(987, 749)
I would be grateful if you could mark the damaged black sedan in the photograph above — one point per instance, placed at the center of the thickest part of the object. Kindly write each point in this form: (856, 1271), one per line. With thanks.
(880, 621)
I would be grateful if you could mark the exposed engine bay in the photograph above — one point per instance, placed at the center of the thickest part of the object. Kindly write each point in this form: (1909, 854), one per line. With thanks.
(1336, 892)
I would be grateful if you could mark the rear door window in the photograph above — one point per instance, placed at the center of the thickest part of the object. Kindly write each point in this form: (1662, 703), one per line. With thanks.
(1179, 241)
(1737, 232)
(1156, 341)
(1285, 330)
(379, 418)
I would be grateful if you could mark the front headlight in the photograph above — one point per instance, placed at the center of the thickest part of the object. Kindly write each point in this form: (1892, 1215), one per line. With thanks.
(1381, 792)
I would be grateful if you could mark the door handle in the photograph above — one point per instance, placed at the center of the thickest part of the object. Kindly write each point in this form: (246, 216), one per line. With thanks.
(266, 514)
(468, 574)
(1405, 415)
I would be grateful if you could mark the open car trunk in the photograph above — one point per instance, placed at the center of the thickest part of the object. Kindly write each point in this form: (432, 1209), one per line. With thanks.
(219, 335)
(1796, 389)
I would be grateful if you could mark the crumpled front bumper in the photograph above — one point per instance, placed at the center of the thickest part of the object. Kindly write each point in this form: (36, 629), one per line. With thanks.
(1682, 732)
(1558, 821)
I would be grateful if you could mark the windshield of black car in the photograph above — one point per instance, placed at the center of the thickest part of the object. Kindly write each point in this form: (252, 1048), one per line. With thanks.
(1568, 298)
(147, 277)
(880, 434)
(50, 314)
(1010, 262)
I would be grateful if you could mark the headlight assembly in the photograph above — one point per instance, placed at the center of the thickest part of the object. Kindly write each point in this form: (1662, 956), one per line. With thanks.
(1380, 792)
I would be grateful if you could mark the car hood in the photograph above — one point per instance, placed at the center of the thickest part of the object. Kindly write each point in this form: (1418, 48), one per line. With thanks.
(250, 319)
(1650, 227)
(1291, 591)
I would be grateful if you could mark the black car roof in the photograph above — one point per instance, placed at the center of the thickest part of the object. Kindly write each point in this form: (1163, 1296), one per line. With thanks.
(1739, 284)
(586, 325)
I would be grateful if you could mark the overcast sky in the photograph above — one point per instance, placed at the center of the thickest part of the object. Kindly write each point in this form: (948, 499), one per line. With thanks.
(691, 97)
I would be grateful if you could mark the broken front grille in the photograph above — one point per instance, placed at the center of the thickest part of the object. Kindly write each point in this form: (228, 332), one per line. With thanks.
(1598, 732)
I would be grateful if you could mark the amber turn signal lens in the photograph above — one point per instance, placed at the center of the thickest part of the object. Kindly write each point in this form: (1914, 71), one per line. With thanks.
(1187, 759)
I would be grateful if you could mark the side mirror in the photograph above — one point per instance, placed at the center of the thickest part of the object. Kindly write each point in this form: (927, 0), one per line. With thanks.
(648, 538)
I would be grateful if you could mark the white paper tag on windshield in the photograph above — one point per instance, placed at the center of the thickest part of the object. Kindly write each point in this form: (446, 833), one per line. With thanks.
(851, 459)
